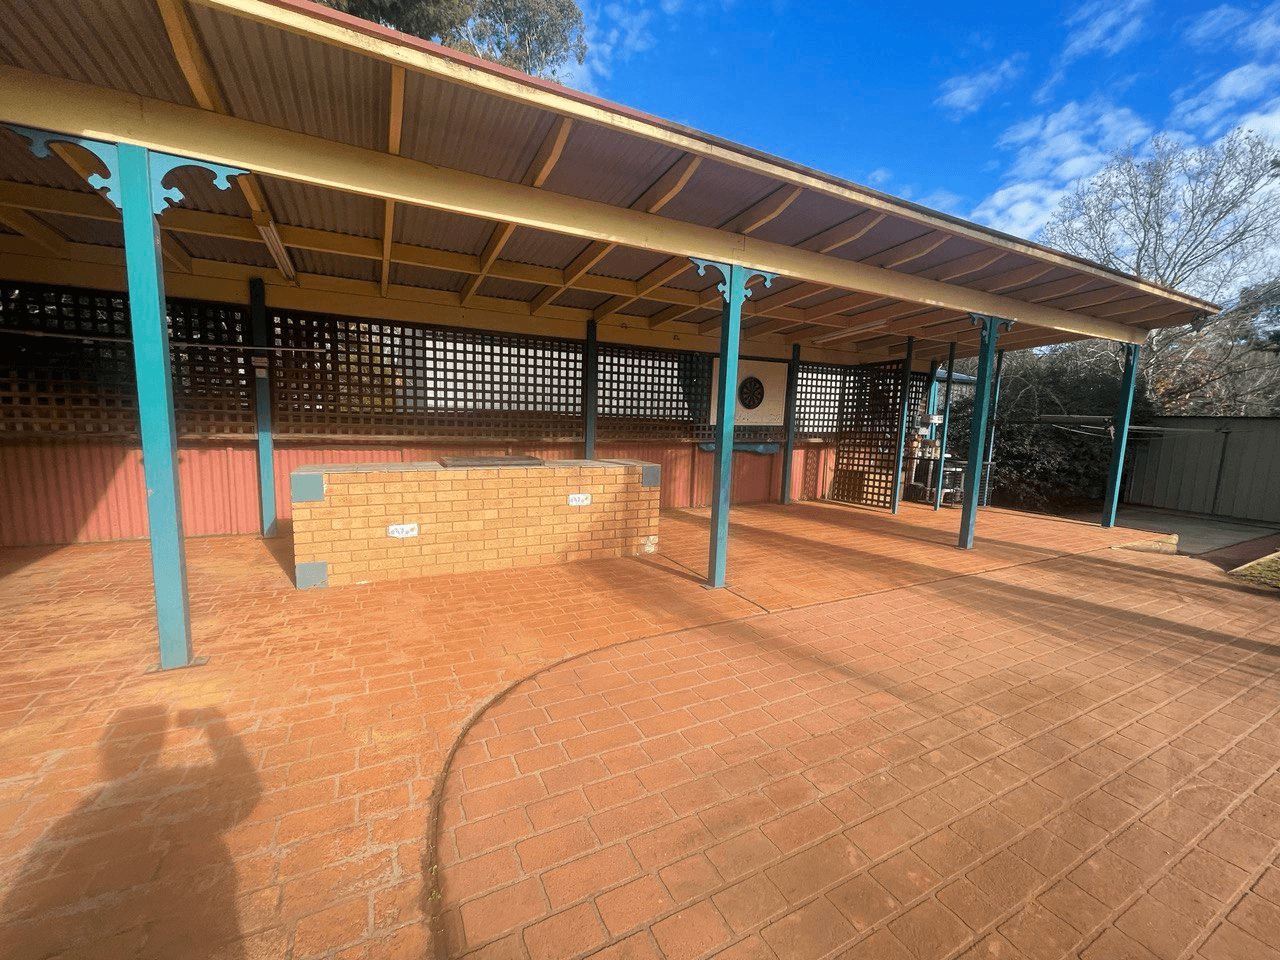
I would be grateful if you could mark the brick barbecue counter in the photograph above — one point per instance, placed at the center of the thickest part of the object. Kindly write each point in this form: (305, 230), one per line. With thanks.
(361, 522)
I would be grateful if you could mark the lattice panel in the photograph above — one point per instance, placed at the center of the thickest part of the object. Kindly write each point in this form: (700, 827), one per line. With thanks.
(818, 390)
(212, 376)
(867, 439)
(377, 378)
(55, 382)
(69, 364)
(654, 394)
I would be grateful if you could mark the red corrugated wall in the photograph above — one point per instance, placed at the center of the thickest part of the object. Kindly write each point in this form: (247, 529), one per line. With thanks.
(56, 493)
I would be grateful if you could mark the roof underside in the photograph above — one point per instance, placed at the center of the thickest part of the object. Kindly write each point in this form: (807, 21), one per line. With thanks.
(213, 57)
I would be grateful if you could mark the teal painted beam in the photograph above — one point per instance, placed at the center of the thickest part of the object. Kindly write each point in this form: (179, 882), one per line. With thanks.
(155, 404)
(789, 449)
(978, 430)
(734, 291)
(260, 330)
(904, 413)
(946, 425)
(1120, 437)
(590, 390)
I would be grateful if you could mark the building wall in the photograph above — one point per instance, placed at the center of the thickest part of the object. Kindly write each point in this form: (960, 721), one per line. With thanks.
(55, 493)
(364, 524)
(1224, 466)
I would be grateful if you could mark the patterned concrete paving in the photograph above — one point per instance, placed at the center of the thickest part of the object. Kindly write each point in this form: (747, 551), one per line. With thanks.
(855, 747)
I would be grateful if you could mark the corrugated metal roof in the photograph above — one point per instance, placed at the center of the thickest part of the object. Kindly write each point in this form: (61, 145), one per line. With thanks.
(304, 205)
(509, 289)
(541, 248)
(110, 43)
(335, 265)
(285, 80)
(441, 231)
(455, 126)
(604, 165)
(227, 251)
(717, 193)
(199, 193)
(100, 233)
(412, 276)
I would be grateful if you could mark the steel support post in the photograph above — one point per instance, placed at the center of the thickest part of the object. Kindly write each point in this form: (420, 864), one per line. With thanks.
(590, 390)
(978, 431)
(260, 330)
(789, 449)
(134, 183)
(734, 291)
(1120, 435)
(946, 424)
(904, 413)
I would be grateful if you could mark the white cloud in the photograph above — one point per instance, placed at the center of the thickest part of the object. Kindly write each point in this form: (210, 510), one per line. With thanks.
(1264, 120)
(616, 32)
(1020, 208)
(1103, 26)
(964, 94)
(1231, 26)
(1212, 110)
(1097, 26)
(879, 176)
(1051, 152)
(1216, 25)
(944, 200)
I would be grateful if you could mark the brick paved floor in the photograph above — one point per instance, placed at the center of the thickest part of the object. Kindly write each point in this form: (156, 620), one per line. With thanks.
(792, 781)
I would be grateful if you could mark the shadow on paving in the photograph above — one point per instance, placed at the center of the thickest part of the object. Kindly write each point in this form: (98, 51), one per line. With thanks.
(139, 867)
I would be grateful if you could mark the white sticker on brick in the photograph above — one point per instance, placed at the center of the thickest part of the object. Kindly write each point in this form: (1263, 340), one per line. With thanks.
(402, 530)
(579, 499)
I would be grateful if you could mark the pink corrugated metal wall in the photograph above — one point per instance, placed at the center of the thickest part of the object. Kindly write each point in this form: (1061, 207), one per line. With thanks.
(56, 493)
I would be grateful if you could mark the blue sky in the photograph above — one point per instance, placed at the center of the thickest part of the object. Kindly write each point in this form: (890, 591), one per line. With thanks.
(989, 112)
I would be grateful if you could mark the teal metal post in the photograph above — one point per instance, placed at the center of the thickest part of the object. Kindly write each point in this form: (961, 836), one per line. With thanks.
(789, 449)
(155, 404)
(590, 391)
(260, 331)
(946, 423)
(904, 412)
(1120, 435)
(978, 431)
(134, 183)
(734, 291)
(932, 401)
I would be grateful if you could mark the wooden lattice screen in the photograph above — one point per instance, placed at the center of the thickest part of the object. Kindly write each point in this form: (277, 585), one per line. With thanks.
(648, 394)
(376, 378)
(869, 409)
(68, 364)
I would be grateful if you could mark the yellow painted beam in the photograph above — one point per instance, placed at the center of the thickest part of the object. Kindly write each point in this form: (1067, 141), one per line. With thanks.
(75, 108)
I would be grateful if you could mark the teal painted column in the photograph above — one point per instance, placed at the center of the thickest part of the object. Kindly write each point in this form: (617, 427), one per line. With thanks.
(789, 417)
(978, 430)
(590, 391)
(1120, 437)
(134, 183)
(946, 425)
(155, 404)
(904, 412)
(734, 291)
(261, 333)
(932, 401)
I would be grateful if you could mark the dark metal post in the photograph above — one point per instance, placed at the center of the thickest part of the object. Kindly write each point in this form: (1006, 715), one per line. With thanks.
(904, 413)
(946, 423)
(734, 290)
(261, 337)
(1120, 435)
(978, 431)
(590, 391)
(789, 449)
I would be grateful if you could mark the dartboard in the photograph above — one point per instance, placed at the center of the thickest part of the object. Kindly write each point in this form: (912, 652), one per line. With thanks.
(751, 393)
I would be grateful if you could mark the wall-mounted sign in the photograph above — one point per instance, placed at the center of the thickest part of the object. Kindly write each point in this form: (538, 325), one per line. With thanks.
(579, 499)
(402, 530)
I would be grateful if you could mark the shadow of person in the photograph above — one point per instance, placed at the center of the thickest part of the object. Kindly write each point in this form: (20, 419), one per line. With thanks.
(140, 868)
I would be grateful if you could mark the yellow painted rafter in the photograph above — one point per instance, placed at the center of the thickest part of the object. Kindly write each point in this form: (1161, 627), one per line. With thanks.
(395, 131)
(543, 163)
